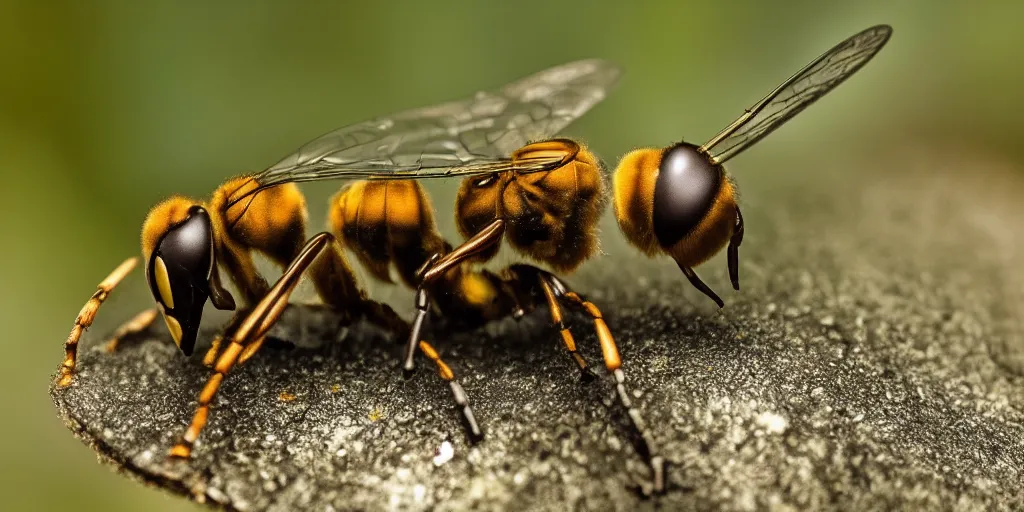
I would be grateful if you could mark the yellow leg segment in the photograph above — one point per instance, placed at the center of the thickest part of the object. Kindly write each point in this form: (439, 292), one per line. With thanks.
(604, 335)
(613, 362)
(250, 332)
(567, 339)
(86, 317)
(136, 325)
(211, 354)
(442, 369)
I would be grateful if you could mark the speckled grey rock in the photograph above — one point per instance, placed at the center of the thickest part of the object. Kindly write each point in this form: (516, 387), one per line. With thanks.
(872, 361)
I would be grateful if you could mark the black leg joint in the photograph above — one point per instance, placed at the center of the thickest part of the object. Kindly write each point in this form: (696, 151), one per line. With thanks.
(422, 299)
(734, 251)
(422, 303)
(468, 419)
(557, 285)
(420, 272)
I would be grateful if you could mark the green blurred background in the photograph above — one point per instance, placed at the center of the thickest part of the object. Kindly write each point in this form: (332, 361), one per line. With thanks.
(108, 106)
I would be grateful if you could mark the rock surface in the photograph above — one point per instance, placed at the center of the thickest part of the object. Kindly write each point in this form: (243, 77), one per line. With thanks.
(873, 360)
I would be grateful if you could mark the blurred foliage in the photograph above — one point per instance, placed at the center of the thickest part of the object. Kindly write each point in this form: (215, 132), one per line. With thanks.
(108, 106)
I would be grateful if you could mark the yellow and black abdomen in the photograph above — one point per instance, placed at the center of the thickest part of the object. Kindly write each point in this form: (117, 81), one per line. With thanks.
(387, 223)
(674, 201)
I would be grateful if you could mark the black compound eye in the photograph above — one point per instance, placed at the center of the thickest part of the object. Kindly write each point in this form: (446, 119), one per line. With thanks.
(189, 245)
(684, 192)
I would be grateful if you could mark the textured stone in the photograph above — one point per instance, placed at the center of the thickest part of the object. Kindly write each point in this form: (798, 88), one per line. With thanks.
(873, 360)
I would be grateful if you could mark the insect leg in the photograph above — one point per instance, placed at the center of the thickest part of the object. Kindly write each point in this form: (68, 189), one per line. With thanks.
(251, 349)
(250, 331)
(136, 325)
(210, 358)
(613, 363)
(604, 335)
(656, 461)
(461, 400)
(86, 317)
(698, 284)
(273, 222)
(734, 251)
(422, 306)
(570, 343)
(478, 243)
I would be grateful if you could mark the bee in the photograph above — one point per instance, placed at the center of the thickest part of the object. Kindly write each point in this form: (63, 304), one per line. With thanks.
(540, 196)
(544, 195)
(679, 201)
(543, 200)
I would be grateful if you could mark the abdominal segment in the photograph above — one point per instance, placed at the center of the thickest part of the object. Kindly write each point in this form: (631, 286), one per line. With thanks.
(387, 224)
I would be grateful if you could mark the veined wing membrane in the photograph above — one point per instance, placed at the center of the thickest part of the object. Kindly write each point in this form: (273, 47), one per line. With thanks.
(460, 138)
(805, 87)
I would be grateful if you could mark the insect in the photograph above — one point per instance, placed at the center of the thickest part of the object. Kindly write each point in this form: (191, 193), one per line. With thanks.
(386, 221)
(543, 199)
(680, 201)
(540, 196)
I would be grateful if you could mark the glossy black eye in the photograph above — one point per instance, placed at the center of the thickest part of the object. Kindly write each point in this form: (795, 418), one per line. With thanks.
(686, 187)
(179, 275)
(189, 245)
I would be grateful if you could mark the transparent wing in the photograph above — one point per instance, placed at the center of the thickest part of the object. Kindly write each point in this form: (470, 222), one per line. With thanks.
(805, 87)
(459, 138)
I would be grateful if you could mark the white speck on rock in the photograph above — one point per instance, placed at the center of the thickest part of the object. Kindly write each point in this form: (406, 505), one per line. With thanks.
(772, 422)
(444, 453)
